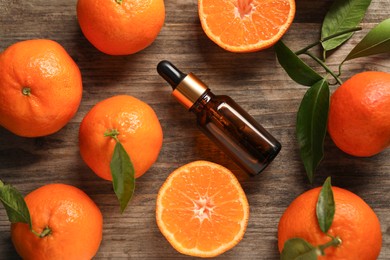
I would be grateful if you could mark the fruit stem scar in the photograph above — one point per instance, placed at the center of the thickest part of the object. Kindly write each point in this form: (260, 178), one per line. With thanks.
(119, 2)
(112, 133)
(26, 91)
(45, 232)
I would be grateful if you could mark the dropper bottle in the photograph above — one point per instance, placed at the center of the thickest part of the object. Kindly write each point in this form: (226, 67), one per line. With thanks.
(223, 121)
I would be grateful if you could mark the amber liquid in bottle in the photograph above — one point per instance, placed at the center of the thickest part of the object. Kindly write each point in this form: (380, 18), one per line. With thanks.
(235, 132)
(223, 121)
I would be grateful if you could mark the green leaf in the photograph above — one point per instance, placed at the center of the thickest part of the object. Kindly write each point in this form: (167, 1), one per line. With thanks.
(298, 70)
(376, 41)
(298, 249)
(325, 206)
(342, 15)
(14, 204)
(123, 178)
(311, 125)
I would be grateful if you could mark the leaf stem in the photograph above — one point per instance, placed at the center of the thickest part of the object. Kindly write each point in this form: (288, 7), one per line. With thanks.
(336, 241)
(45, 232)
(324, 66)
(112, 133)
(327, 38)
(35, 233)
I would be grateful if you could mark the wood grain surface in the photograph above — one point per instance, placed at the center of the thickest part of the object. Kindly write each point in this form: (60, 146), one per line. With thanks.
(254, 80)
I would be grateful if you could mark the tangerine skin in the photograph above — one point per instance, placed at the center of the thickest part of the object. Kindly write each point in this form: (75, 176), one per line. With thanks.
(354, 222)
(74, 219)
(139, 129)
(55, 85)
(121, 29)
(359, 114)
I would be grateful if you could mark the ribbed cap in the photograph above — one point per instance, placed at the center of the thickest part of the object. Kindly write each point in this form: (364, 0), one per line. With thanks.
(189, 90)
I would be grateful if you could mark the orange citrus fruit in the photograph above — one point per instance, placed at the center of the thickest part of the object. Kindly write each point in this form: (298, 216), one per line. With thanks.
(138, 128)
(40, 88)
(202, 210)
(246, 25)
(121, 27)
(70, 220)
(354, 222)
(359, 114)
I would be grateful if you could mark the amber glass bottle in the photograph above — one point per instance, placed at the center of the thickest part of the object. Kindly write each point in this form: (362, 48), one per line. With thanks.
(223, 121)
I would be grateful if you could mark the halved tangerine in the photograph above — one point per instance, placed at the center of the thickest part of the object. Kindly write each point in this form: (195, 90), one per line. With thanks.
(246, 25)
(202, 209)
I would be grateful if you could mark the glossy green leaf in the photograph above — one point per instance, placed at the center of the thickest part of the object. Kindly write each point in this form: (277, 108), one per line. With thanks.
(298, 249)
(123, 178)
(375, 42)
(325, 206)
(311, 126)
(342, 15)
(298, 70)
(14, 204)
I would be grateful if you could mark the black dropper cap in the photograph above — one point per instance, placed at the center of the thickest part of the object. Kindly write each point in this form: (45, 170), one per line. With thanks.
(170, 73)
(187, 89)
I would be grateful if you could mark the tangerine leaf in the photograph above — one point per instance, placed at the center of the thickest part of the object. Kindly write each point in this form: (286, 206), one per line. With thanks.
(298, 249)
(325, 206)
(14, 204)
(376, 41)
(123, 179)
(311, 125)
(342, 15)
(297, 69)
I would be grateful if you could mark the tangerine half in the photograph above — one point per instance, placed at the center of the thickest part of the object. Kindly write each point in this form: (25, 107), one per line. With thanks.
(202, 210)
(246, 25)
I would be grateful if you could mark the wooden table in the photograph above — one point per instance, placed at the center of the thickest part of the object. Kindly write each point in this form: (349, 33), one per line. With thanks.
(254, 80)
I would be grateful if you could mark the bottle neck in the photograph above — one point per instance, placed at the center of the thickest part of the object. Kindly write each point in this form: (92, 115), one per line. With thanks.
(189, 90)
(202, 102)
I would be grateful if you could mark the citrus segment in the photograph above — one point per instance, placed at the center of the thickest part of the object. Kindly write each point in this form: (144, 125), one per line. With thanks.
(202, 209)
(246, 25)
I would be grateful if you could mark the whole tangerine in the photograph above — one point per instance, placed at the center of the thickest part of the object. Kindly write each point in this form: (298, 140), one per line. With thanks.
(121, 27)
(68, 221)
(136, 126)
(40, 88)
(355, 223)
(359, 114)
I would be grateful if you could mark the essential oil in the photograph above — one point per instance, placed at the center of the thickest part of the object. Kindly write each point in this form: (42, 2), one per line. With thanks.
(223, 121)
